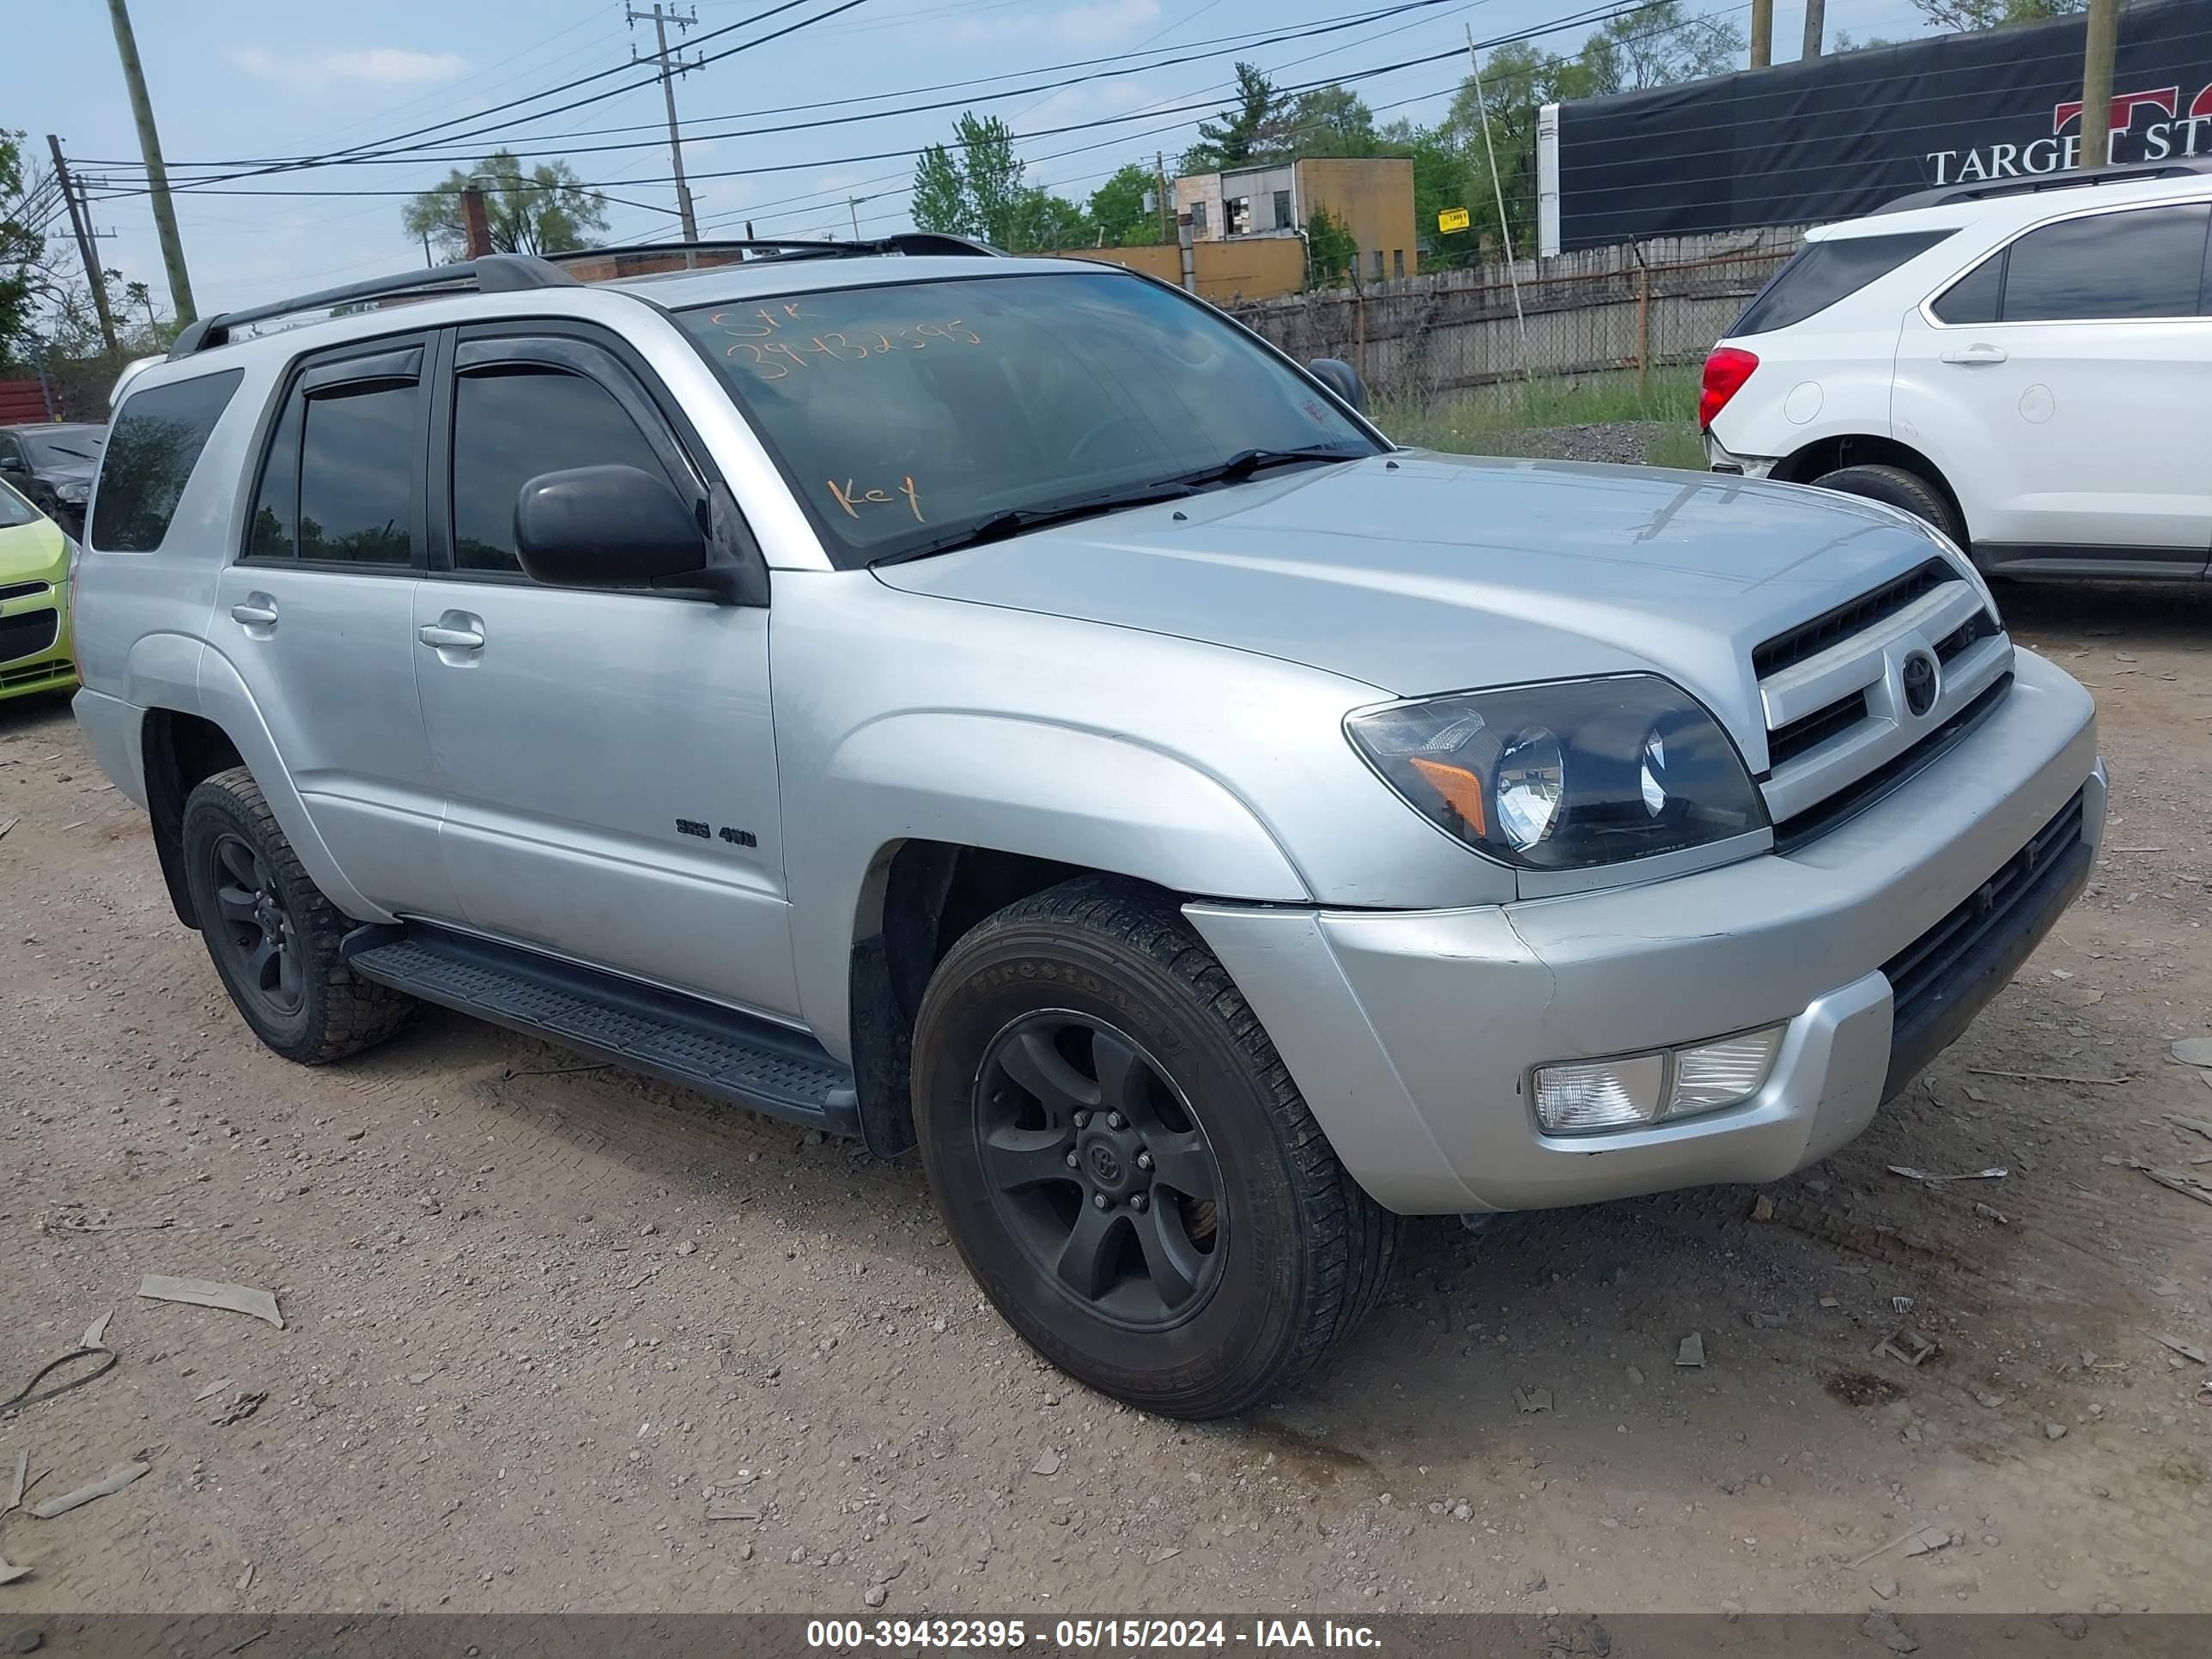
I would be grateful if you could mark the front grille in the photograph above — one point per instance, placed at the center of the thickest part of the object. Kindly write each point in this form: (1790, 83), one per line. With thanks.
(1863, 792)
(1811, 638)
(1943, 978)
(1972, 631)
(12, 679)
(22, 591)
(28, 634)
(1814, 729)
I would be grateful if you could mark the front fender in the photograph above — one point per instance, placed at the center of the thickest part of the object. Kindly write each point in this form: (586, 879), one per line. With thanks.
(223, 698)
(1051, 791)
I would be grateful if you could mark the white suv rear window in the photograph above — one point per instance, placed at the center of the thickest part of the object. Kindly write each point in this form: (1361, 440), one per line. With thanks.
(1824, 272)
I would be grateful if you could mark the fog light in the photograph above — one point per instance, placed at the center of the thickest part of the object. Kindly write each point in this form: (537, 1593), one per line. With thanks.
(1590, 1095)
(1723, 1073)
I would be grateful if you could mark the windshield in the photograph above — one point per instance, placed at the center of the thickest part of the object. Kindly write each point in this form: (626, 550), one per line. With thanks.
(15, 511)
(78, 445)
(904, 414)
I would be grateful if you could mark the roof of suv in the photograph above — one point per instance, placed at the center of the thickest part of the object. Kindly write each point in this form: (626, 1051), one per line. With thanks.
(761, 269)
(2013, 203)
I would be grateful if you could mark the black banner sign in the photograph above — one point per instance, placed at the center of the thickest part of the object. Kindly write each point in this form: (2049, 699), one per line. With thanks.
(1811, 142)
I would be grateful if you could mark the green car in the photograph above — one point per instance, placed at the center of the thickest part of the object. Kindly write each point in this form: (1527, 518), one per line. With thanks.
(34, 632)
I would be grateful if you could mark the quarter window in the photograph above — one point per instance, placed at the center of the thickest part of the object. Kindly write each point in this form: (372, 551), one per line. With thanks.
(151, 450)
(2109, 266)
(512, 423)
(1974, 297)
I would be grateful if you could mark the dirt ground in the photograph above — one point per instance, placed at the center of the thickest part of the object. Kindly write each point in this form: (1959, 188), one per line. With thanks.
(542, 1323)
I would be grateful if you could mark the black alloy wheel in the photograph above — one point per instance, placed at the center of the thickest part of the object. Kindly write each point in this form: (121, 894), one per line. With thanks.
(257, 933)
(1099, 1171)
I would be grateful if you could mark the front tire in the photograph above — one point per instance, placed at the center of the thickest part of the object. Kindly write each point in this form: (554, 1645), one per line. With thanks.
(1124, 1163)
(272, 935)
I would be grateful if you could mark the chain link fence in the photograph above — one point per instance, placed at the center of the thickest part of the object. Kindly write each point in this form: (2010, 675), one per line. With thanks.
(1419, 340)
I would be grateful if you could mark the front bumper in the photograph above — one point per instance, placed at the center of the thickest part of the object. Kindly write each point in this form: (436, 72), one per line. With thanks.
(34, 643)
(1413, 1034)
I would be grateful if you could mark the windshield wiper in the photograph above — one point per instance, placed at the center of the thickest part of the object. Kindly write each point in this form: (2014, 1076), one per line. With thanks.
(997, 527)
(1246, 462)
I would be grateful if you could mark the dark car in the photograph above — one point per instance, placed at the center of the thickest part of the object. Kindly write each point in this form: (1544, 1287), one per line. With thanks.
(53, 466)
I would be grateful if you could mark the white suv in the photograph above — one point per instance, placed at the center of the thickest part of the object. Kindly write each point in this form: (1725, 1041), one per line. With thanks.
(2025, 364)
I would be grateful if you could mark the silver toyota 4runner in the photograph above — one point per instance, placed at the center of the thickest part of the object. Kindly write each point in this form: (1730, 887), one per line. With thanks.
(1002, 707)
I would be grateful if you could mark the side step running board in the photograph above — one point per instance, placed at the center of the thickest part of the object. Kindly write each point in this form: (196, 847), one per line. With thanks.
(682, 1039)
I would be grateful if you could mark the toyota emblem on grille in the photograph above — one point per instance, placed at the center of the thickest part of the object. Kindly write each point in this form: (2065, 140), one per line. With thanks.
(1920, 681)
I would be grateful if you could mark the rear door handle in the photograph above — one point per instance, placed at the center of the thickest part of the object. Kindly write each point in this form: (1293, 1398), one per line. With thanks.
(255, 616)
(453, 639)
(1970, 356)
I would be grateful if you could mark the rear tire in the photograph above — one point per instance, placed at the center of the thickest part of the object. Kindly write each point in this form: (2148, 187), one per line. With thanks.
(1897, 486)
(272, 935)
(1232, 1250)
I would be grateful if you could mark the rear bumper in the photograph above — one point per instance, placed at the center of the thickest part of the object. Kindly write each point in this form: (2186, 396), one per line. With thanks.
(1719, 459)
(1413, 1034)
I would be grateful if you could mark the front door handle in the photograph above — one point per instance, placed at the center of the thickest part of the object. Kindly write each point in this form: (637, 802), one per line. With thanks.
(263, 615)
(452, 639)
(1970, 356)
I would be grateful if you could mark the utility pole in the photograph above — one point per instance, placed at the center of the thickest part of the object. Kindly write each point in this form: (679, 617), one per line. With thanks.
(2097, 50)
(1762, 33)
(157, 174)
(93, 275)
(853, 207)
(1505, 225)
(670, 69)
(1160, 194)
(1816, 29)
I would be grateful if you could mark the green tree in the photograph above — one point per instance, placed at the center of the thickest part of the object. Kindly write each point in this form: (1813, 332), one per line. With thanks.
(1247, 132)
(1329, 121)
(1658, 47)
(1118, 210)
(20, 250)
(546, 209)
(1969, 14)
(1331, 246)
(973, 187)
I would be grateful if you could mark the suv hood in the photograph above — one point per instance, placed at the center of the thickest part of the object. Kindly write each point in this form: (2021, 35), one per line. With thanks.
(1419, 573)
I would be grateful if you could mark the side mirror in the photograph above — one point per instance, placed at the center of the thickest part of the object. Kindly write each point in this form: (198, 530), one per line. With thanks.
(606, 526)
(12, 464)
(1340, 378)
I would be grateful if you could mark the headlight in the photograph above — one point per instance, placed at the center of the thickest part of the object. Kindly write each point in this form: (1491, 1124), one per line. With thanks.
(1565, 775)
(73, 490)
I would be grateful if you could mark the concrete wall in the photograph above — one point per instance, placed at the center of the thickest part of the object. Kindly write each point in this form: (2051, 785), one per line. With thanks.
(1249, 268)
(1374, 197)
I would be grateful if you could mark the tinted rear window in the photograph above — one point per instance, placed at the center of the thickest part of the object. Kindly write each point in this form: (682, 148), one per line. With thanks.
(1824, 272)
(152, 448)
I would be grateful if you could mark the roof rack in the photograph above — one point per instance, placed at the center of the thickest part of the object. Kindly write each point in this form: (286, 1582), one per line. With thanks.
(912, 243)
(507, 273)
(491, 273)
(2125, 173)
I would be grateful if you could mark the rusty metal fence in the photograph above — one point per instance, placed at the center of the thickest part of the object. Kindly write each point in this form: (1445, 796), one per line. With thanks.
(1588, 313)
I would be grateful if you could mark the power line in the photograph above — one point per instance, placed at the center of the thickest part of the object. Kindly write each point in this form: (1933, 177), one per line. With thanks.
(295, 164)
(1243, 41)
(1575, 20)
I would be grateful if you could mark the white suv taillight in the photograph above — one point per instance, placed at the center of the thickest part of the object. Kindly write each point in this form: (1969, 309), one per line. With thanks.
(1726, 370)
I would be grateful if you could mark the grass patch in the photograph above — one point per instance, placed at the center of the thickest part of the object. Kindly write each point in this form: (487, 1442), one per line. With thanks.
(1491, 420)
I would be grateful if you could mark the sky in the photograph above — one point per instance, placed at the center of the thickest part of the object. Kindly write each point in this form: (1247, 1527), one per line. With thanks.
(234, 79)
